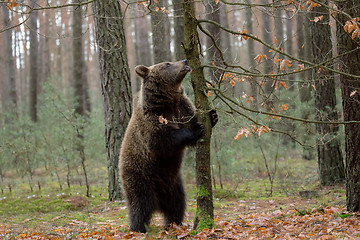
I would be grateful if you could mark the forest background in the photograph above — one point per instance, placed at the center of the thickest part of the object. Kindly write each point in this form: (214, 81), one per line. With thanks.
(282, 75)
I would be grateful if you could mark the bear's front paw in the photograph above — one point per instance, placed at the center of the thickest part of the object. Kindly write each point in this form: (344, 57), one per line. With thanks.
(213, 118)
(198, 129)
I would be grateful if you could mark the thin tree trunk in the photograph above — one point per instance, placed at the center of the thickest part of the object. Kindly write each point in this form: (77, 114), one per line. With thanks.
(288, 45)
(251, 54)
(204, 217)
(63, 62)
(79, 78)
(267, 37)
(115, 83)
(305, 89)
(46, 53)
(350, 63)
(78, 59)
(9, 63)
(34, 69)
(330, 160)
(279, 27)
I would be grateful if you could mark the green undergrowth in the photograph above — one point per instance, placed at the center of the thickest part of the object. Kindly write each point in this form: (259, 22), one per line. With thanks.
(58, 207)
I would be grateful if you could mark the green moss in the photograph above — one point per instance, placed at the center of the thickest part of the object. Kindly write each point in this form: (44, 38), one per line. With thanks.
(202, 192)
(205, 220)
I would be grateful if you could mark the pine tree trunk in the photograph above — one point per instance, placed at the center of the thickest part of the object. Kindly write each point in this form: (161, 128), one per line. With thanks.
(268, 38)
(34, 62)
(115, 83)
(79, 80)
(305, 89)
(330, 160)
(204, 217)
(251, 54)
(350, 63)
(288, 45)
(9, 63)
(78, 59)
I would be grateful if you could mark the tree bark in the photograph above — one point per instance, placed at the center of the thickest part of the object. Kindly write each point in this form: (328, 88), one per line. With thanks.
(34, 62)
(279, 27)
(305, 89)
(115, 83)
(80, 86)
(329, 155)
(78, 59)
(204, 217)
(266, 37)
(251, 54)
(10, 65)
(350, 63)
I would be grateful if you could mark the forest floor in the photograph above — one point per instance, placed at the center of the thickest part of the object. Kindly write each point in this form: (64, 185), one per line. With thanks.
(316, 214)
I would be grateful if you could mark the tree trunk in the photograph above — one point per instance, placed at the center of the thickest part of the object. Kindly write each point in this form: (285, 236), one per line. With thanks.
(78, 59)
(160, 32)
(330, 160)
(288, 45)
(305, 89)
(34, 62)
(225, 43)
(115, 83)
(204, 217)
(279, 31)
(251, 54)
(10, 65)
(79, 79)
(179, 29)
(350, 64)
(266, 37)
(212, 54)
(143, 50)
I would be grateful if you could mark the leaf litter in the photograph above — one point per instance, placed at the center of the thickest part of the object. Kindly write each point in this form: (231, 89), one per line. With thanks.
(280, 218)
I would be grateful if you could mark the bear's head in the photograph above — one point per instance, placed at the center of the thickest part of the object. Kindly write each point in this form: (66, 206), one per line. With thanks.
(161, 84)
(166, 74)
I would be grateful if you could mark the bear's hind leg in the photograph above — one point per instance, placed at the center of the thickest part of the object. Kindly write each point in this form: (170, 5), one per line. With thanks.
(173, 205)
(141, 209)
(139, 217)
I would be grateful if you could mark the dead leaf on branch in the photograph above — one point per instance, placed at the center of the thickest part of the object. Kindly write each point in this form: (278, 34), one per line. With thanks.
(163, 120)
(317, 19)
(11, 4)
(259, 57)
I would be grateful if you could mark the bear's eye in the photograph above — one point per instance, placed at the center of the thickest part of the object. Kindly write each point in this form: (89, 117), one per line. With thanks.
(168, 64)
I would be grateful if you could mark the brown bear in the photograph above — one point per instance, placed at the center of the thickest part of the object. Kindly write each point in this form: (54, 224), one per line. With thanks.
(162, 124)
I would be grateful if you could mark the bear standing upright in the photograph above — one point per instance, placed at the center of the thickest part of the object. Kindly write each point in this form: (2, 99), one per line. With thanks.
(162, 124)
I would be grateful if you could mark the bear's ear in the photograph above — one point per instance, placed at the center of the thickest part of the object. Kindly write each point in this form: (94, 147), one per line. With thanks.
(142, 71)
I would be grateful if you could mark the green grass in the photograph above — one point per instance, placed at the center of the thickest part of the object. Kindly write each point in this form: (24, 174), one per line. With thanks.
(57, 208)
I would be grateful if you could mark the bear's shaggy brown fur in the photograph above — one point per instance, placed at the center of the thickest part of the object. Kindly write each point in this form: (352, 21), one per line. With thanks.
(152, 150)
